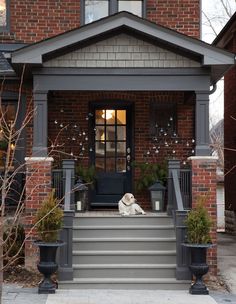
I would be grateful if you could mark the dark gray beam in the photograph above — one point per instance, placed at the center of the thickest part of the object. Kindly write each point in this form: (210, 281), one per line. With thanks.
(40, 132)
(125, 82)
(202, 123)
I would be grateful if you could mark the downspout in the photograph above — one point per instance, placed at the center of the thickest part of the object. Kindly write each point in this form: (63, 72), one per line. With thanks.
(214, 87)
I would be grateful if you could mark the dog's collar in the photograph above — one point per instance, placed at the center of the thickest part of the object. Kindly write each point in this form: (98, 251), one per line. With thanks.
(124, 203)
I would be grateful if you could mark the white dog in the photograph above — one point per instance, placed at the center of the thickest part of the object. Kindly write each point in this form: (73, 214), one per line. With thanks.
(128, 206)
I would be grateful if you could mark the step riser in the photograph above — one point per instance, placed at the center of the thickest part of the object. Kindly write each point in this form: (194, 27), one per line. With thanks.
(127, 259)
(150, 286)
(170, 245)
(124, 273)
(83, 221)
(82, 233)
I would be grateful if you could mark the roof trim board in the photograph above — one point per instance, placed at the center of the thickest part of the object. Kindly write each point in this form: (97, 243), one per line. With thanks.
(34, 53)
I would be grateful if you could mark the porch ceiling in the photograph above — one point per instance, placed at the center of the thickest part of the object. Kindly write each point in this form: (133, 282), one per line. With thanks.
(198, 52)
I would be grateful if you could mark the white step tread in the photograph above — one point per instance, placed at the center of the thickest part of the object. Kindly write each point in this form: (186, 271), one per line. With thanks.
(125, 280)
(124, 266)
(124, 239)
(124, 252)
(123, 227)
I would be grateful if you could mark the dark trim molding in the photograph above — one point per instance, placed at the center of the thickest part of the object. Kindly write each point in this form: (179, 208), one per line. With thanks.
(107, 82)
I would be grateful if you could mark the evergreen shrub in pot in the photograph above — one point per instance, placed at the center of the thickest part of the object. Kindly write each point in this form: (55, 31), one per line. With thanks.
(198, 224)
(49, 218)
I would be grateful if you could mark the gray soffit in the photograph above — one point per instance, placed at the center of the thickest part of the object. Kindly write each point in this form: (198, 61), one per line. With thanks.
(209, 55)
(5, 67)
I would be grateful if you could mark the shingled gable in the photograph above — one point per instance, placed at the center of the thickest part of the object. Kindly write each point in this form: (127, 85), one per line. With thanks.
(207, 55)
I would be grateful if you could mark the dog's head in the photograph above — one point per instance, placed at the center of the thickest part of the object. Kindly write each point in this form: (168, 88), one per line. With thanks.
(128, 199)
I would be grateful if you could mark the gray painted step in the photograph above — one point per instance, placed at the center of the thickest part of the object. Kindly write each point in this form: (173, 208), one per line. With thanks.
(159, 219)
(124, 230)
(125, 256)
(124, 270)
(125, 283)
(115, 252)
(124, 243)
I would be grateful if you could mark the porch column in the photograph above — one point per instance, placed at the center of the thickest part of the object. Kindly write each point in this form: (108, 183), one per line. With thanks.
(202, 123)
(40, 131)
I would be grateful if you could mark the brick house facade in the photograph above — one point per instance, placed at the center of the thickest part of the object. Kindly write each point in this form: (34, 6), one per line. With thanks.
(227, 40)
(142, 66)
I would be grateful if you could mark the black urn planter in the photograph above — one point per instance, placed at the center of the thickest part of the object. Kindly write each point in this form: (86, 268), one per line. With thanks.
(198, 267)
(47, 265)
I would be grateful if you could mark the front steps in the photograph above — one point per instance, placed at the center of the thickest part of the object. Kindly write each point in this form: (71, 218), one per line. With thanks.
(115, 252)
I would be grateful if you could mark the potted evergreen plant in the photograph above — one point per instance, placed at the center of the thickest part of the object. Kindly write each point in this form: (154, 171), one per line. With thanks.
(198, 225)
(48, 221)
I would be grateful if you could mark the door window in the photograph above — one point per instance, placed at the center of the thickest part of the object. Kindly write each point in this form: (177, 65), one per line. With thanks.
(110, 140)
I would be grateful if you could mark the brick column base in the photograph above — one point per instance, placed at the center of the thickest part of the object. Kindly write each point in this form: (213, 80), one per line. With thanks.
(204, 185)
(38, 185)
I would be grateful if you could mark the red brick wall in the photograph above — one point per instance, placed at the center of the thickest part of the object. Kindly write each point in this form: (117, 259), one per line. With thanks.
(36, 20)
(32, 21)
(204, 185)
(75, 107)
(38, 186)
(230, 132)
(182, 15)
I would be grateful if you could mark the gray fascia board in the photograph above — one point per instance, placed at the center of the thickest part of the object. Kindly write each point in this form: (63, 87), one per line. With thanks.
(122, 71)
(34, 53)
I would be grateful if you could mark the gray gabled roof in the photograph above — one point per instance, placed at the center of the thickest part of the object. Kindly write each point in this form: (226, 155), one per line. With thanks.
(222, 38)
(219, 60)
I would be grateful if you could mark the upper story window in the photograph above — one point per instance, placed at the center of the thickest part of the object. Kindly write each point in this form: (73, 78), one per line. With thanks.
(97, 9)
(133, 6)
(4, 15)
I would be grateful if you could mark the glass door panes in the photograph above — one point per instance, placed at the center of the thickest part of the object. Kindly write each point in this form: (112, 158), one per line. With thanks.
(110, 140)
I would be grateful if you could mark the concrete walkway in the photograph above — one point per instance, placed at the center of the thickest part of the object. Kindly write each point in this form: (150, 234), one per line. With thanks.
(14, 294)
(18, 295)
(227, 259)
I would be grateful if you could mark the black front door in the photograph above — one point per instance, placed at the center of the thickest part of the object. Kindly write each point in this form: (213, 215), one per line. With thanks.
(112, 154)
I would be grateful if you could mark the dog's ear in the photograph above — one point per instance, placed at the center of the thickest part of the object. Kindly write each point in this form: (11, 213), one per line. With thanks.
(127, 196)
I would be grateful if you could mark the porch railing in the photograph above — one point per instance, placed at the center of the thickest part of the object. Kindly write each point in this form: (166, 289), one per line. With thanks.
(63, 181)
(186, 187)
(57, 182)
(179, 188)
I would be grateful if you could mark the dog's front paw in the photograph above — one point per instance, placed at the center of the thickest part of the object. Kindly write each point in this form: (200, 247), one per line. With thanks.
(125, 214)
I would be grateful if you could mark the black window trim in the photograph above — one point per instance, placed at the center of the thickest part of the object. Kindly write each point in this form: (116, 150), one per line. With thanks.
(112, 9)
